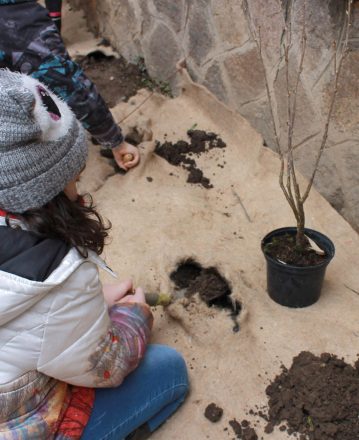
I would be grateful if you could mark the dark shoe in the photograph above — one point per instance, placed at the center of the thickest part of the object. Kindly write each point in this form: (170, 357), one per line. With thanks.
(141, 433)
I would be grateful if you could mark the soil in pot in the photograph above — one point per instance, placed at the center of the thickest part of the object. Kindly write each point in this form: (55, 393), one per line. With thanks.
(181, 154)
(295, 277)
(283, 248)
(211, 286)
(317, 397)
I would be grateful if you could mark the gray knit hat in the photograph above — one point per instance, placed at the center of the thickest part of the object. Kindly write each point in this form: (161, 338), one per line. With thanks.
(42, 145)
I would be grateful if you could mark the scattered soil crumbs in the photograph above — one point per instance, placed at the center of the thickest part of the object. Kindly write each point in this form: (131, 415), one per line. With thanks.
(284, 248)
(211, 286)
(116, 79)
(318, 397)
(213, 412)
(179, 154)
(243, 430)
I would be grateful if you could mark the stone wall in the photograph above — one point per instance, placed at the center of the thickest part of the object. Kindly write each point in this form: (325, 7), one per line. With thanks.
(213, 36)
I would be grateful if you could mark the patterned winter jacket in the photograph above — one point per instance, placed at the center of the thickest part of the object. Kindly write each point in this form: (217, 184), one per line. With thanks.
(12, 2)
(58, 338)
(30, 43)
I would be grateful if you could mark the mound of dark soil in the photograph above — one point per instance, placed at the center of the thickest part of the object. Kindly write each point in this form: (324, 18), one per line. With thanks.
(317, 397)
(181, 154)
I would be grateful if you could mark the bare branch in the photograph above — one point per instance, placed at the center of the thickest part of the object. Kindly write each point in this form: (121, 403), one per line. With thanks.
(299, 73)
(289, 198)
(305, 140)
(291, 175)
(258, 40)
(344, 141)
(287, 177)
(343, 52)
(269, 96)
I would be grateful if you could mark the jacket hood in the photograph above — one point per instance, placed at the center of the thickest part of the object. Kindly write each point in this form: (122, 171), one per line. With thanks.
(27, 267)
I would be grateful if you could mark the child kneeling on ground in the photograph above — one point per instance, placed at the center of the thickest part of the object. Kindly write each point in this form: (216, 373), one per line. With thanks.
(67, 343)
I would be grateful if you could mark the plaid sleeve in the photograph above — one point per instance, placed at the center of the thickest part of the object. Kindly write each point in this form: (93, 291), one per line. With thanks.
(124, 345)
(66, 78)
(85, 343)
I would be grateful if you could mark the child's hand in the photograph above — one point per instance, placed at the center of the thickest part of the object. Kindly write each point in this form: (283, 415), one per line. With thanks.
(114, 292)
(137, 297)
(123, 151)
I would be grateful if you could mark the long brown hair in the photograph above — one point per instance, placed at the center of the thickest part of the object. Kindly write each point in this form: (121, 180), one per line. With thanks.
(76, 223)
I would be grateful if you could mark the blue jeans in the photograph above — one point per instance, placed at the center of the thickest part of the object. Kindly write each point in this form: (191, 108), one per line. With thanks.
(150, 394)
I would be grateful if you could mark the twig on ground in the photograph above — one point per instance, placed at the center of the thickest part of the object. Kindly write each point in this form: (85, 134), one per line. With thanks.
(242, 205)
(136, 108)
(353, 290)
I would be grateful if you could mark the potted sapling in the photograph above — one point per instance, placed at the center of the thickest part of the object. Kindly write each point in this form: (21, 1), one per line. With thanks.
(297, 257)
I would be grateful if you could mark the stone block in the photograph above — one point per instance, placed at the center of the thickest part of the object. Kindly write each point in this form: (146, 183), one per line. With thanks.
(201, 36)
(258, 113)
(214, 82)
(350, 182)
(346, 107)
(246, 75)
(146, 19)
(162, 53)
(173, 10)
(306, 121)
(230, 22)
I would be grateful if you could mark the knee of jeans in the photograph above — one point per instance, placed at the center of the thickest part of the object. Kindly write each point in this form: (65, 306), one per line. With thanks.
(169, 359)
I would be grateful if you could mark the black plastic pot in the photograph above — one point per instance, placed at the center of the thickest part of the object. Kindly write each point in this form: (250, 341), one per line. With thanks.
(295, 286)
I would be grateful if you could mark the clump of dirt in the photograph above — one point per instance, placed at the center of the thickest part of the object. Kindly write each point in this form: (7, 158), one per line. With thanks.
(237, 428)
(179, 154)
(211, 286)
(115, 78)
(213, 412)
(317, 397)
(243, 430)
(284, 248)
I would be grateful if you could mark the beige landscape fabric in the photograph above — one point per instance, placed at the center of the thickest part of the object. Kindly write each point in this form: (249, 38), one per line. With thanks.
(159, 222)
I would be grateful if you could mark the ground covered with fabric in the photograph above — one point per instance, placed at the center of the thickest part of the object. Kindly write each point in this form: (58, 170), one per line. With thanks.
(160, 220)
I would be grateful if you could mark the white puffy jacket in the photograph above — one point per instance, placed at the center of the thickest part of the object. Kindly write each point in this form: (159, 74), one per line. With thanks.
(56, 334)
